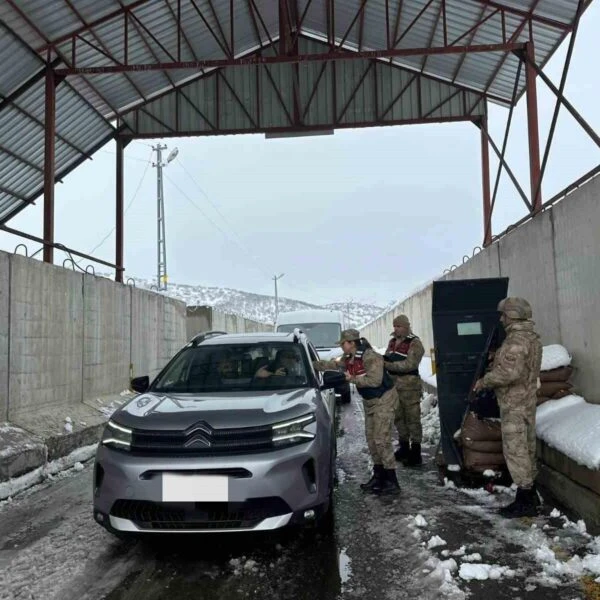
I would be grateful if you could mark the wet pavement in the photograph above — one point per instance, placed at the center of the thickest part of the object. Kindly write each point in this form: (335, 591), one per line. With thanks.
(50, 547)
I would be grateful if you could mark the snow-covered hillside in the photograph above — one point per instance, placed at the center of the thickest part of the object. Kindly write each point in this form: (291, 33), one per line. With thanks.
(257, 306)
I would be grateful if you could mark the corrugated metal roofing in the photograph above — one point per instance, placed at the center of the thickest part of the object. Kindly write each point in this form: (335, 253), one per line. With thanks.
(367, 93)
(89, 33)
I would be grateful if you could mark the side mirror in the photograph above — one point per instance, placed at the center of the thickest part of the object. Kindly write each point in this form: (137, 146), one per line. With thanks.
(332, 379)
(140, 384)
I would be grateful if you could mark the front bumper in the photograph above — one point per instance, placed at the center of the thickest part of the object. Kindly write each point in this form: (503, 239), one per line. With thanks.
(256, 492)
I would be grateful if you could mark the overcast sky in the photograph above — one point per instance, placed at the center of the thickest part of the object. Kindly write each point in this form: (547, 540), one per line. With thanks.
(366, 214)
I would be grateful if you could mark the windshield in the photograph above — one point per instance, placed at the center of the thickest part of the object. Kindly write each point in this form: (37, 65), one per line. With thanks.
(243, 367)
(322, 335)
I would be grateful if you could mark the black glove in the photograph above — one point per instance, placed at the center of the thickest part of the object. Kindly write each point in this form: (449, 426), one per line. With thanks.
(393, 358)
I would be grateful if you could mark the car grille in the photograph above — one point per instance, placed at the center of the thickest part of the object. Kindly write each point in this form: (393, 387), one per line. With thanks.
(199, 515)
(202, 440)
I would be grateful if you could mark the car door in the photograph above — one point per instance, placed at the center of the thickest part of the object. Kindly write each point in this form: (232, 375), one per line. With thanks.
(328, 396)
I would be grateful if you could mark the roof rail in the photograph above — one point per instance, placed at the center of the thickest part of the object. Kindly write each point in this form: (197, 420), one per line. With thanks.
(299, 335)
(200, 337)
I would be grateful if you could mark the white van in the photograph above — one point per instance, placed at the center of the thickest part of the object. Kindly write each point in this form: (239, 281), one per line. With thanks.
(323, 328)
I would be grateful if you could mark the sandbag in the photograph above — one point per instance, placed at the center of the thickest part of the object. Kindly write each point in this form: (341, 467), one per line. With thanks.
(562, 394)
(560, 374)
(549, 388)
(477, 446)
(473, 459)
(484, 468)
(480, 430)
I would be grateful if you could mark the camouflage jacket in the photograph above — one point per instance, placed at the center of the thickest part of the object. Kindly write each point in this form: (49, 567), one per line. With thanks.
(373, 366)
(400, 369)
(516, 367)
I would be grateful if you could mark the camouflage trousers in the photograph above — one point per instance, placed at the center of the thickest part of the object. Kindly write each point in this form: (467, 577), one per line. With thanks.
(379, 419)
(519, 443)
(408, 416)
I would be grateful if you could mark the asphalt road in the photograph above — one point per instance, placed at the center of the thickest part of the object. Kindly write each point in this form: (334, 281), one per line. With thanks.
(50, 547)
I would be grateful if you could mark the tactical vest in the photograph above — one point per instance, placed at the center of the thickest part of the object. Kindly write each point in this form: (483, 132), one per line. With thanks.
(399, 352)
(356, 368)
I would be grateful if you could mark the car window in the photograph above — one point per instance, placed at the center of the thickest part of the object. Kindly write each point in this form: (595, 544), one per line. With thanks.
(235, 367)
(322, 335)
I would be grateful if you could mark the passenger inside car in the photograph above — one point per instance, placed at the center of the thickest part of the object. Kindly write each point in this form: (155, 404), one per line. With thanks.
(286, 363)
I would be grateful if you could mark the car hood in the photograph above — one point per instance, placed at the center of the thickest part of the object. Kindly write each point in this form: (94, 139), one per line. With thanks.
(219, 410)
(329, 353)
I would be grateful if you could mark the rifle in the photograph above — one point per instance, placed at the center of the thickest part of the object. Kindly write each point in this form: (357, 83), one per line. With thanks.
(482, 363)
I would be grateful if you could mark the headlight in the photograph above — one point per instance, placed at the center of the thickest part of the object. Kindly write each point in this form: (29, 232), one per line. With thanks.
(295, 431)
(117, 436)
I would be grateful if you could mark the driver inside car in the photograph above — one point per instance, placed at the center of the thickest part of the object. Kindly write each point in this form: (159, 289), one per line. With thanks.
(286, 363)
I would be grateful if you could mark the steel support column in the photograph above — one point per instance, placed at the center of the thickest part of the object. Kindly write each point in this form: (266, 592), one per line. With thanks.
(533, 130)
(485, 181)
(49, 162)
(119, 213)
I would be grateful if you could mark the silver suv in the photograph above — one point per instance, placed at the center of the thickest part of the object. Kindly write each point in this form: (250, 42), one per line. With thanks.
(237, 433)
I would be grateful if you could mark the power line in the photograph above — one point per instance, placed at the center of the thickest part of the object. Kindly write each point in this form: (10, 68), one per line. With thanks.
(107, 236)
(239, 243)
(218, 211)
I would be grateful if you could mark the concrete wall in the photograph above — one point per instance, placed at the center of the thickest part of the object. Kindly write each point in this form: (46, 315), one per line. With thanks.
(106, 336)
(552, 260)
(46, 336)
(206, 318)
(577, 266)
(418, 309)
(66, 336)
(4, 333)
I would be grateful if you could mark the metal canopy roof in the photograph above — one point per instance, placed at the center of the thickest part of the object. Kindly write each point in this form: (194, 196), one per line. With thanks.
(191, 67)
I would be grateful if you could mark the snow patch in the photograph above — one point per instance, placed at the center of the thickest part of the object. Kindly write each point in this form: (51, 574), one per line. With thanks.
(18, 484)
(571, 426)
(475, 557)
(420, 521)
(470, 571)
(435, 542)
(555, 356)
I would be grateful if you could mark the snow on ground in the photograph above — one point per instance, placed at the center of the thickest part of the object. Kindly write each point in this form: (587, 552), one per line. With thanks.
(572, 426)
(430, 419)
(481, 572)
(425, 371)
(73, 461)
(562, 549)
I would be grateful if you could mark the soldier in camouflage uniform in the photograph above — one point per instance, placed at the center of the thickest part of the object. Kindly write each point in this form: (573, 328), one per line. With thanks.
(364, 368)
(514, 377)
(402, 359)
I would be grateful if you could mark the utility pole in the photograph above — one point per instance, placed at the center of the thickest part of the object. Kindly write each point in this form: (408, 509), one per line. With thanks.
(275, 279)
(161, 244)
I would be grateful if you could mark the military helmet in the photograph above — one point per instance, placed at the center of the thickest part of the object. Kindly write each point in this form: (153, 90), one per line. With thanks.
(514, 308)
(349, 335)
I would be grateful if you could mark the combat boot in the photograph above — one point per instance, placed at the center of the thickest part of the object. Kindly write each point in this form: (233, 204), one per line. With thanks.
(523, 505)
(377, 474)
(387, 484)
(402, 451)
(414, 458)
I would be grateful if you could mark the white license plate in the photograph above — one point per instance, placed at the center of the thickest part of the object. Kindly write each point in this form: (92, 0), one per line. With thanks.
(194, 488)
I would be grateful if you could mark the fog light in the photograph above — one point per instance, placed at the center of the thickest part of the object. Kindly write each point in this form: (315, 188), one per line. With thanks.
(99, 517)
(309, 515)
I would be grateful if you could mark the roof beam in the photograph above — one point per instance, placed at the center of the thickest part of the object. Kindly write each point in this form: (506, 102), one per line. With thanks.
(318, 57)
(50, 44)
(530, 15)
